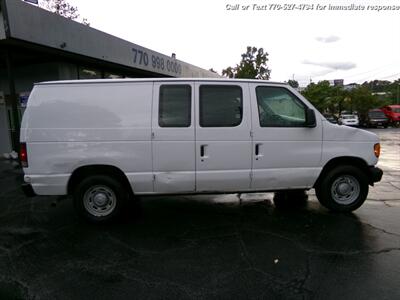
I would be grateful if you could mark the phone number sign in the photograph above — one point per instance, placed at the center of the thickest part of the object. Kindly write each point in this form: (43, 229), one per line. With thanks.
(157, 63)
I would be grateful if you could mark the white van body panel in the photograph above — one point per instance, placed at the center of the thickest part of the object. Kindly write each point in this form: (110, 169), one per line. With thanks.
(173, 150)
(226, 164)
(67, 126)
(288, 156)
(73, 124)
(345, 141)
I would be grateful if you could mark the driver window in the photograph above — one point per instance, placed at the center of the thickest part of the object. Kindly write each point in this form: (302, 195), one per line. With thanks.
(278, 107)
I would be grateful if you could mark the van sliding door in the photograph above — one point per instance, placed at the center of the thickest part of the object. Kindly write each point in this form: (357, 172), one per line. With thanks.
(173, 137)
(223, 141)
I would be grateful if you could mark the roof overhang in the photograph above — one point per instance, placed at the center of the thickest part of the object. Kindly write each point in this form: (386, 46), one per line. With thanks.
(25, 22)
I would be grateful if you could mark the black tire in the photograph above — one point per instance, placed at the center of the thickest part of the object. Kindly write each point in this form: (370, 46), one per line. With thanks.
(107, 190)
(351, 197)
(385, 126)
(290, 199)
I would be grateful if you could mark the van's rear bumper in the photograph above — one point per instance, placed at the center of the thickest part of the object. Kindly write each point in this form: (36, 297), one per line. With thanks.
(47, 185)
(375, 174)
(28, 190)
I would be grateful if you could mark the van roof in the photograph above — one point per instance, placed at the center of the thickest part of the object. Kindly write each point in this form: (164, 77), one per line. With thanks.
(124, 80)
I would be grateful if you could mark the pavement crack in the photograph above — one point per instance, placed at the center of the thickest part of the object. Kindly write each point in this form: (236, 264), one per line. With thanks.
(117, 241)
(245, 254)
(381, 230)
(386, 204)
(307, 274)
(393, 185)
(145, 279)
(307, 249)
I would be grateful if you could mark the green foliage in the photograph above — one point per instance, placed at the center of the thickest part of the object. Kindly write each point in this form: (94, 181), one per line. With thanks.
(377, 86)
(63, 8)
(293, 83)
(334, 99)
(252, 66)
(324, 97)
(387, 92)
(361, 100)
(212, 70)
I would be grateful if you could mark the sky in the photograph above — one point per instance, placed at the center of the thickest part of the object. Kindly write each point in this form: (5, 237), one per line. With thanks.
(305, 43)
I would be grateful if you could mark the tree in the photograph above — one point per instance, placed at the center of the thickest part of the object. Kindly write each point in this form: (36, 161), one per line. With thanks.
(63, 8)
(252, 66)
(212, 70)
(361, 100)
(293, 83)
(323, 96)
(386, 91)
(377, 86)
(394, 91)
(334, 99)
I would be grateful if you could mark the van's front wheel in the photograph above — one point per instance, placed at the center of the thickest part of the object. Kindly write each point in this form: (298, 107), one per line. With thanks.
(99, 198)
(343, 189)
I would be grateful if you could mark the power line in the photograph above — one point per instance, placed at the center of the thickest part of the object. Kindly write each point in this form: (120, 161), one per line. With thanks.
(366, 72)
(394, 75)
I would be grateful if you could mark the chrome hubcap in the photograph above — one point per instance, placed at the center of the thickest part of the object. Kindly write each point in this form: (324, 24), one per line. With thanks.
(99, 200)
(345, 189)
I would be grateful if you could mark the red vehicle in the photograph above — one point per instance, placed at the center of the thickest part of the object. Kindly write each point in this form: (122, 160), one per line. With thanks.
(393, 114)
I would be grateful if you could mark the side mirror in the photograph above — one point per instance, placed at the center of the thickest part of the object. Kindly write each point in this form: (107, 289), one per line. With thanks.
(310, 118)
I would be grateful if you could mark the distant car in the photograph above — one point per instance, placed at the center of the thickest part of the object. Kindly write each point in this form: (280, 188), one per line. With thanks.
(375, 118)
(331, 118)
(393, 114)
(349, 120)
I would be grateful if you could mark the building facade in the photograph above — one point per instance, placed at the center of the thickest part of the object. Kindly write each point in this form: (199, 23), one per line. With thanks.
(37, 45)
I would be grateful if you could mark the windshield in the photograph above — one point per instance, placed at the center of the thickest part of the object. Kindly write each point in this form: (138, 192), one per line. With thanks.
(396, 110)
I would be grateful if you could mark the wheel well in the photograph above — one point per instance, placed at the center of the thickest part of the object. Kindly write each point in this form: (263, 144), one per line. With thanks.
(341, 161)
(85, 171)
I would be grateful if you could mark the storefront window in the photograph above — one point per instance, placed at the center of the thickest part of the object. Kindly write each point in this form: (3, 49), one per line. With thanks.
(112, 75)
(89, 73)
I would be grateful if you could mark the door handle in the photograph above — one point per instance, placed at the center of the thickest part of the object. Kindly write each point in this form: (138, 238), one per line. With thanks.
(257, 151)
(203, 151)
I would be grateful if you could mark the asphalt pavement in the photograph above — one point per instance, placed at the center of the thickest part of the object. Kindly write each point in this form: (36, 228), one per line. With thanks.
(204, 247)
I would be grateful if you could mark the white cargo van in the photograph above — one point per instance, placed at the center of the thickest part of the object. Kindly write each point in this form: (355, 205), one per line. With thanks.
(106, 141)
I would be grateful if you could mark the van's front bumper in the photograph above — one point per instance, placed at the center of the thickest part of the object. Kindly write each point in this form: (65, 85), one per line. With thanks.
(28, 190)
(375, 174)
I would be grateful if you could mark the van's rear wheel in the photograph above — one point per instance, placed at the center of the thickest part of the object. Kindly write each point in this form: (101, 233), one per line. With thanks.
(343, 189)
(99, 198)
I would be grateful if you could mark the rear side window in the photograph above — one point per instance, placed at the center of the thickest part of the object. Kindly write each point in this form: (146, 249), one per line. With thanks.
(174, 108)
(220, 105)
(278, 107)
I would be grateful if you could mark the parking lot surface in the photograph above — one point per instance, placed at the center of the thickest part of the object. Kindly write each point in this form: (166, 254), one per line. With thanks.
(204, 247)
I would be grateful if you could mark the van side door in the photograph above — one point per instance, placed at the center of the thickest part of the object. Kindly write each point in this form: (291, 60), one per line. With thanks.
(173, 142)
(223, 141)
(286, 153)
